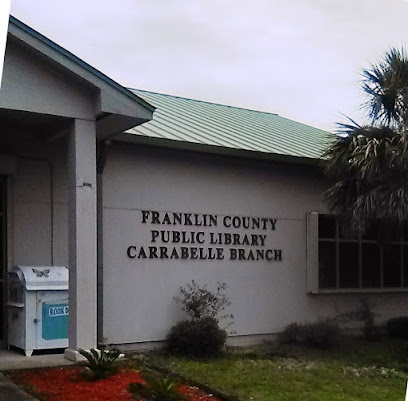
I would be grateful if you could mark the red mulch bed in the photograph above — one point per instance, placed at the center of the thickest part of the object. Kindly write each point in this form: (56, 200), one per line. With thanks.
(68, 384)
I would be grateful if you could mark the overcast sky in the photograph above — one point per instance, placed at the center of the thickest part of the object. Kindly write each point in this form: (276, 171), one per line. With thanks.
(298, 58)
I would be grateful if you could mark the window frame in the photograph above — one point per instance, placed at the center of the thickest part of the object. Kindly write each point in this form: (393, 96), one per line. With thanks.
(312, 262)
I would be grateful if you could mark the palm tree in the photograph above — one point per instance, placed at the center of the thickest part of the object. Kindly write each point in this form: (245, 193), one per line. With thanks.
(369, 164)
(386, 87)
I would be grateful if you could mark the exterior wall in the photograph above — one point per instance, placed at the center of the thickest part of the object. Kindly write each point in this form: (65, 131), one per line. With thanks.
(33, 83)
(38, 207)
(47, 97)
(266, 296)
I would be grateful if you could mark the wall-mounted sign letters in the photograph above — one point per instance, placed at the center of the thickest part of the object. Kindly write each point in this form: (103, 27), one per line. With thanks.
(197, 236)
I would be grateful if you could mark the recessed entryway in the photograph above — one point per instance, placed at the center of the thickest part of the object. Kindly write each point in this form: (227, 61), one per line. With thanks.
(3, 258)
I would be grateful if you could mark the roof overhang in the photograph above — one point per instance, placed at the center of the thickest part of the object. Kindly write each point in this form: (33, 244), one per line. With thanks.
(217, 150)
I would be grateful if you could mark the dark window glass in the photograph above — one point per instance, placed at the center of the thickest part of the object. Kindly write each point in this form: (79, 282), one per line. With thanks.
(348, 265)
(392, 266)
(371, 262)
(371, 232)
(327, 226)
(327, 264)
(346, 233)
(405, 265)
(347, 260)
(392, 231)
(387, 231)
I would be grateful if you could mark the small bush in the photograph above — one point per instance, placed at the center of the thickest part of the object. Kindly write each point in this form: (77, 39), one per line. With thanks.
(100, 363)
(156, 388)
(200, 336)
(199, 302)
(196, 337)
(398, 327)
(291, 334)
(321, 334)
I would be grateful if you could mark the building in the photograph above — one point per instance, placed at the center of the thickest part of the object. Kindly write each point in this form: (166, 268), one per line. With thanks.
(138, 193)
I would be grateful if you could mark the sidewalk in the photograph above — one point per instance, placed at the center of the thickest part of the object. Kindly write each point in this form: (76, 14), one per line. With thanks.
(10, 360)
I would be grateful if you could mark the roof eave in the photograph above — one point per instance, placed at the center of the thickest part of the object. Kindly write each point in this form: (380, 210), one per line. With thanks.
(219, 150)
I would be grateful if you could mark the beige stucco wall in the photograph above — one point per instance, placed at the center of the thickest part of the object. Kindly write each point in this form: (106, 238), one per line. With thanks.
(38, 207)
(137, 294)
(38, 103)
(265, 296)
(34, 83)
(49, 96)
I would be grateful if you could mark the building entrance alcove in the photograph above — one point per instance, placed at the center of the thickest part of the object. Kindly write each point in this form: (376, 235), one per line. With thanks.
(3, 258)
(33, 196)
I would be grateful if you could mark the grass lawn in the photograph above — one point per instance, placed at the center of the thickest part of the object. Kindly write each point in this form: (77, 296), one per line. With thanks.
(355, 370)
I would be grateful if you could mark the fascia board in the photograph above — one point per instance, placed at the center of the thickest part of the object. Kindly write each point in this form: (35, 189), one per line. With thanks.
(109, 103)
(219, 150)
(111, 124)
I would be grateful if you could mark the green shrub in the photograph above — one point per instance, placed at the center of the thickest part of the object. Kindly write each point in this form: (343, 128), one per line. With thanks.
(321, 334)
(100, 363)
(200, 336)
(398, 327)
(291, 334)
(156, 388)
(199, 302)
(196, 337)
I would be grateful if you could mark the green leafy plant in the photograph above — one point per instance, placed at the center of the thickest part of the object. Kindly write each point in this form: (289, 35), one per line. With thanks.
(321, 334)
(200, 336)
(199, 302)
(100, 363)
(156, 388)
(197, 338)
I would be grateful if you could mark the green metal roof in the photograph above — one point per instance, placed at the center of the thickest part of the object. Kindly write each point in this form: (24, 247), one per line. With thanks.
(221, 127)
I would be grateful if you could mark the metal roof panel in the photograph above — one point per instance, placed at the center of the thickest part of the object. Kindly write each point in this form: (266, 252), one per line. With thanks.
(195, 121)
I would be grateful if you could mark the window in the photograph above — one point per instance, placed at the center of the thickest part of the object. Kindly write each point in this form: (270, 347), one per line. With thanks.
(338, 261)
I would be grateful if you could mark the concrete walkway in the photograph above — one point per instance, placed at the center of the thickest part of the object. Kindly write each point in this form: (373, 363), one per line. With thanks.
(10, 360)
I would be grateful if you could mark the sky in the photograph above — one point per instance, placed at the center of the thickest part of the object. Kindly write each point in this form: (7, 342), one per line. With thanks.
(301, 59)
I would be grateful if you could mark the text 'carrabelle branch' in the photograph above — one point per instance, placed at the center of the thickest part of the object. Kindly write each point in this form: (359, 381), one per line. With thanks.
(184, 243)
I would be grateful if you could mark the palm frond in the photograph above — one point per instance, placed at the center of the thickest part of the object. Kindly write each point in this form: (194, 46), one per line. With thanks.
(369, 168)
(386, 87)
